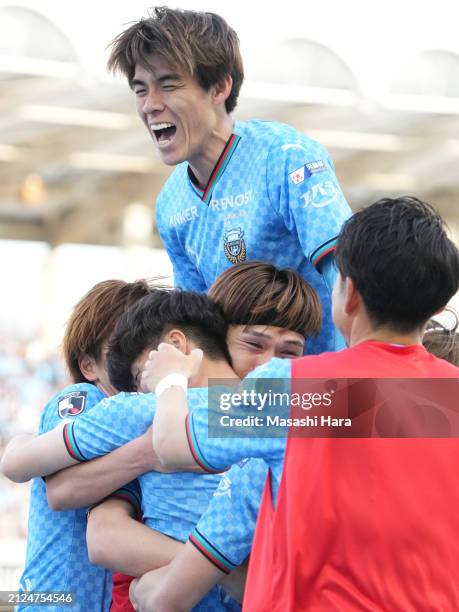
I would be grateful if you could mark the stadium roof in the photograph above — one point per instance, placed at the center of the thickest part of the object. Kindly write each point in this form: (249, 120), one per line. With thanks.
(378, 85)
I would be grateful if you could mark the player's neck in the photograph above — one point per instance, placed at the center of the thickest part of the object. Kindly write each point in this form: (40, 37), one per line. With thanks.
(212, 369)
(107, 389)
(203, 163)
(365, 332)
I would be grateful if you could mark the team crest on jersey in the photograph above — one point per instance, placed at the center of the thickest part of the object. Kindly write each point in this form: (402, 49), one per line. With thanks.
(234, 245)
(72, 404)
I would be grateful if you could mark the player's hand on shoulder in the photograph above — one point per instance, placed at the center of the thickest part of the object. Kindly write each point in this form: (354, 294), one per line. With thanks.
(167, 359)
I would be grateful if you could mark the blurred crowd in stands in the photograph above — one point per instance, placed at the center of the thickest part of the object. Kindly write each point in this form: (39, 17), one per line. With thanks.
(29, 376)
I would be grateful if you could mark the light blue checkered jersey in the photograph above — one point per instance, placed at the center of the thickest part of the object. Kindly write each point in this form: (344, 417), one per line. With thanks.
(57, 556)
(277, 199)
(219, 453)
(171, 503)
(225, 531)
(224, 534)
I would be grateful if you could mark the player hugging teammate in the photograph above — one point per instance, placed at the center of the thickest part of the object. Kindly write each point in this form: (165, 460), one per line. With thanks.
(326, 513)
(278, 312)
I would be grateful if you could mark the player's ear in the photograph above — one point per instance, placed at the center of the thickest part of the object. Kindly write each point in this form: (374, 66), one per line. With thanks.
(87, 367)
(177, 338)
(352, 298)
(222, 90)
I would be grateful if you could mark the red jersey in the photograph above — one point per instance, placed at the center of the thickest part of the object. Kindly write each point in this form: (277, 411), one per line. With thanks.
(361, 524)
(120, 593)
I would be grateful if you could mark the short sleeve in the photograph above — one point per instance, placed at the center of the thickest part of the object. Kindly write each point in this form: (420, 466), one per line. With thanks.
(131, 493)
(74, 401)
(216, 454)
(112, 423)
(225, 531)
(303, 189)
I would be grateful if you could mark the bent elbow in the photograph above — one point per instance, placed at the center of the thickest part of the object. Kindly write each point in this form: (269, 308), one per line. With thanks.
(55, 504)
(96, 553)
(57, 501)
(166, 459)
(163, 449)
(100, 537)
(9, 470)
(97, 546)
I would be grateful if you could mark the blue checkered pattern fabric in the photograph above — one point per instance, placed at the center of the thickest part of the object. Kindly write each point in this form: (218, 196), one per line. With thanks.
(228, 524)
(171, 503)
(278, 200)
(57, 557)
(218, 453)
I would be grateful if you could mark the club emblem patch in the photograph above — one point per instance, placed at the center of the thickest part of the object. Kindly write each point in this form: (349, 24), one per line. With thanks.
(72, 404)
(234, 245)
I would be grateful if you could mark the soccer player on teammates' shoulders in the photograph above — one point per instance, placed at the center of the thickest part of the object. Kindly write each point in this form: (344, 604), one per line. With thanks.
(242, 190)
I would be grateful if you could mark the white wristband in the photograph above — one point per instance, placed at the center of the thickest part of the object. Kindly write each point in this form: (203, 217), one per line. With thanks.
(171, 380)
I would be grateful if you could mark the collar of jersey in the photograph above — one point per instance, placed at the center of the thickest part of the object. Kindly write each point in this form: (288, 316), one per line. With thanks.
(219, 168)
(397, 348)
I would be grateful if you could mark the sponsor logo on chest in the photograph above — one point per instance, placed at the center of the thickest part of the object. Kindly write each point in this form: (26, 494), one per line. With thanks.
(232, 201)
(183, 216)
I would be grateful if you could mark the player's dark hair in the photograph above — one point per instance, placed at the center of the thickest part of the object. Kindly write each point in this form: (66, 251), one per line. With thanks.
(144, 325)
(401, 260)
(256, 293)
(93, 320)
(198, 44)
(442, 340)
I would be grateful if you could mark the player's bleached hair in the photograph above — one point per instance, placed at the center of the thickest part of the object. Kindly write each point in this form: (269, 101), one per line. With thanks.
(93, 320)
(403, 264)
(197, 44)
(443, 340)
(257, 293)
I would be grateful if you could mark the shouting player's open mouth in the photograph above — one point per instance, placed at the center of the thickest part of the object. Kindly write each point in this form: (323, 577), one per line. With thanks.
(164, 132)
